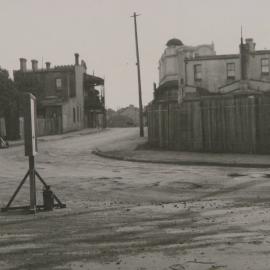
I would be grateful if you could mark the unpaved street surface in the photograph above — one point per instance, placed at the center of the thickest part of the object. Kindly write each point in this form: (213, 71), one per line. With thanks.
(125, 215)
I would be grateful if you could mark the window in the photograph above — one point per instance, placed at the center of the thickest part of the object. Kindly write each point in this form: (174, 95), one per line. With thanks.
(58, 83)
(230, 70)
(197, 72)
(74, 115)
(265, 65)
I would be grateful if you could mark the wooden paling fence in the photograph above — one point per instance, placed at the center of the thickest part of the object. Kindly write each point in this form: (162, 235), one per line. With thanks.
(239, 124)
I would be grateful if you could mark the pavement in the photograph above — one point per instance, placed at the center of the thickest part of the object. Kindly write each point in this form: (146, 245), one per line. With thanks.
(136, 149)
(48, 138)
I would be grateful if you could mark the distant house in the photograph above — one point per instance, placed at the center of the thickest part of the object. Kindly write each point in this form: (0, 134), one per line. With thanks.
(64, 93)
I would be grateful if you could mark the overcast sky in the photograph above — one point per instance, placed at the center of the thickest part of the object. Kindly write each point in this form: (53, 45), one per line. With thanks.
(102, 32)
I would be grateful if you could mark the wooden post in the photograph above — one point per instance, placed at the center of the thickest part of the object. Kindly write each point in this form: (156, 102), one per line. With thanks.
(32, 182)
(139, 75)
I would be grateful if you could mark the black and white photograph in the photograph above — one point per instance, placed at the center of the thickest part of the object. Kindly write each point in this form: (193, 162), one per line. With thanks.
(134, 135)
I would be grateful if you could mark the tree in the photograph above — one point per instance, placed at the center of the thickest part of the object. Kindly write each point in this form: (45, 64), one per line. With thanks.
(9, 108)
(8, 93)
(29, 82)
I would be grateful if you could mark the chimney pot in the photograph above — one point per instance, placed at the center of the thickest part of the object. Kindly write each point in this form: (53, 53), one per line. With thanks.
(34, 65)
(76, 59)
(155, 86)
(251, 44)
(48, 65)
(23, 66)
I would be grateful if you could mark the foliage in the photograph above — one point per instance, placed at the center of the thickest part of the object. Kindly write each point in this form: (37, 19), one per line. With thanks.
(120, 121)
(8, 93)
(29, 82)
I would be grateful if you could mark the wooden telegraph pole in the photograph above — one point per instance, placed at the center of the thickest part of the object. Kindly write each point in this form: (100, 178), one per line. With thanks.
(104, 105)
(139, 75)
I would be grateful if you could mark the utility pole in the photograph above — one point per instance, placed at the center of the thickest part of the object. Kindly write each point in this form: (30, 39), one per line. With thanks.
(104, 106)
(139, 75)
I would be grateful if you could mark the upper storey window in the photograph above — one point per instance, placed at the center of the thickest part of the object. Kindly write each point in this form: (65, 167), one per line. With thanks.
(231, 71)
(58, 83)
(198, 72)
(265, 66)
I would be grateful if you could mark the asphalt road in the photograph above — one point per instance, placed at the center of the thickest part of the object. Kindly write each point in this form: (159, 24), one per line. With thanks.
(124, 215)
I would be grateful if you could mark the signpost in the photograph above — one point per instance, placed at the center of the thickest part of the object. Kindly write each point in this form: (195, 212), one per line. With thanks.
(30, 144)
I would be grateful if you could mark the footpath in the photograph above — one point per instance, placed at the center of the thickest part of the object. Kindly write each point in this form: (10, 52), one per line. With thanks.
(82, 132)
(135, 149)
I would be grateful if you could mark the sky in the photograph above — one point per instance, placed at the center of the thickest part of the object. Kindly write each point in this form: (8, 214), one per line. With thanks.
(102, 32)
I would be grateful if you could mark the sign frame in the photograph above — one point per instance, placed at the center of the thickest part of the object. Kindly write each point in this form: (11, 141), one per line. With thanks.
(30, 125)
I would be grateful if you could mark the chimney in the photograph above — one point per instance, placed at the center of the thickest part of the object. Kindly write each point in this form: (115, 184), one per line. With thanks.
(251, 44)
(34, 65)
(155, 90)
(244, 56)
(23, 64)
(76, 59)
(48, 65)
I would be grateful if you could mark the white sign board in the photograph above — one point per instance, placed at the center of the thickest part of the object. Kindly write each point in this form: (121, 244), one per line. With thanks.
(30, 120)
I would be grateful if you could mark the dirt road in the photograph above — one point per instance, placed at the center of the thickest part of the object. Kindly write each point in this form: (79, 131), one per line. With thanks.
(124, 215)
